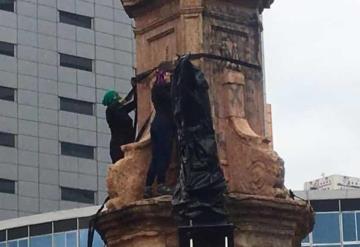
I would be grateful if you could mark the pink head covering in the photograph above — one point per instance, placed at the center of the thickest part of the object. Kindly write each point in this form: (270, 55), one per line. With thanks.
(160, 77)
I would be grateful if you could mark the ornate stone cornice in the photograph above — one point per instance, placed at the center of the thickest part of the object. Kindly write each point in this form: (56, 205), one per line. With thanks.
(131, 5)
(270, 219)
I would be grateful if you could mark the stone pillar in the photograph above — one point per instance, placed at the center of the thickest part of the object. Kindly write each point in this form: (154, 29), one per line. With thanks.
(226, 36)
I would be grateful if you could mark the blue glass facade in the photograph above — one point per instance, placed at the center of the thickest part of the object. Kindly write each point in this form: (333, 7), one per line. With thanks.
(76, 238)
(335, 229)
(67, 233)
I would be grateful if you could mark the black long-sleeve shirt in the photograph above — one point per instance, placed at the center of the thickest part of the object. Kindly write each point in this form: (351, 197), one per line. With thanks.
(120, 123)
(161, 98)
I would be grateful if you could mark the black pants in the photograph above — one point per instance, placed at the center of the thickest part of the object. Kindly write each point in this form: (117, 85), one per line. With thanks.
(116, 153)
(115, 146)
(162, 132)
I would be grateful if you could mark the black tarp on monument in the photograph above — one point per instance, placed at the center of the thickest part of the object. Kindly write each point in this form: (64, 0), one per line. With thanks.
(199, 194)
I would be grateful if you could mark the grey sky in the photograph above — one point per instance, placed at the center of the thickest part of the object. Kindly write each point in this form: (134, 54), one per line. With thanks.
(312, 56)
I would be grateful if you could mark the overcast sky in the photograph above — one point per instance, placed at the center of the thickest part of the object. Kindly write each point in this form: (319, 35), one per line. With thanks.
(312, 56)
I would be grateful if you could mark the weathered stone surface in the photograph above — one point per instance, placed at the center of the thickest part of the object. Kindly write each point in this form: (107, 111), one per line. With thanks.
(229, 29)
(126, 179)
(259, 221)
(258, 204)
(132, 6)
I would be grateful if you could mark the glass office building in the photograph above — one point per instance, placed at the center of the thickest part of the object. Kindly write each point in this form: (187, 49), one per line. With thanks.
(57, 60)
(58, 229)
(337, 218)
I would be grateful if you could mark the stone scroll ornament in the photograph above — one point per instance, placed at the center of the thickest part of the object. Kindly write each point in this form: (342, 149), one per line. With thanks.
(199, 193)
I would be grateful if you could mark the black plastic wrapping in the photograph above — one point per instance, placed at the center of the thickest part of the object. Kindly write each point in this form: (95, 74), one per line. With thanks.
(199, 194)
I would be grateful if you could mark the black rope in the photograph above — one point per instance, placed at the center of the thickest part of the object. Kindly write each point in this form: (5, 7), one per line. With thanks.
(143, 128)
(140, 77)
(129, 95)
(293, 196)
(92, 224)
(225, 59)
(136, 108)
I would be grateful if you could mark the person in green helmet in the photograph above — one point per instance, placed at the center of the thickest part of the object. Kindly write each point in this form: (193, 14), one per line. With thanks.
(120, 123)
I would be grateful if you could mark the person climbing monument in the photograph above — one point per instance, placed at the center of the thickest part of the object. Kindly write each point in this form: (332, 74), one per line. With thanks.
(162, 135)
(120, 123)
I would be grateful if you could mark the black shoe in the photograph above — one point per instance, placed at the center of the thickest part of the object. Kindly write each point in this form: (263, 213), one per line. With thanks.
(148, 192)
(164, 190)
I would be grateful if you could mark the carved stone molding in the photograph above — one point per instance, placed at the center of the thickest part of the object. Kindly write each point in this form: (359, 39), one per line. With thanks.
(131, 6)
(259, 221)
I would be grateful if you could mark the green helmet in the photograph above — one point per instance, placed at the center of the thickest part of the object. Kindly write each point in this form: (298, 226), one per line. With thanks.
(110, 97)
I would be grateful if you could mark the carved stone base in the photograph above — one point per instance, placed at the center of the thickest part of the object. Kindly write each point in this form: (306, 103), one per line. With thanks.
(259, 221)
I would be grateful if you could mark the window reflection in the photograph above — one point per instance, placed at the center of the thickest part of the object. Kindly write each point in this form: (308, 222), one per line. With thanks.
(349, 227)
(358, 225)
(71, 239)
(83, 237)
(326, 229)
(98, 241)
(59, 240)
(12, 243)
(328, 245)
(40, 241)
(23, 243)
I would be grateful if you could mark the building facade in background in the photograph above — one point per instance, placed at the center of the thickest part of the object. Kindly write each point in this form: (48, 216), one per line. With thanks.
(333, 182)
(337, 218)
(57, 59)
(67, 228)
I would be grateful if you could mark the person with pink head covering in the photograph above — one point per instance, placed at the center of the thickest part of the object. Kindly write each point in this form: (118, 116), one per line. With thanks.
(162, 135)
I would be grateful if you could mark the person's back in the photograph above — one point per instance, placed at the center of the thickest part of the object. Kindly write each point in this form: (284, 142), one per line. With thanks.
(160, 96)
(120, 123)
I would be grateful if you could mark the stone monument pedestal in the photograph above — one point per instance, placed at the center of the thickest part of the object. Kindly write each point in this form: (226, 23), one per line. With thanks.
(259, 222)
(226, 37)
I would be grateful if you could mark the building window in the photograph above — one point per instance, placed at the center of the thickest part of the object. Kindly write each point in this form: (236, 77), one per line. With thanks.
(84, 222)
(65, 225)
(349, 226)
(326, 229)
(77, 195)
(77, 150)
(7, 186)
(44, 240)
(7, 139)
(76, 106)
(7, 5)
(75, 62)
(6, 48)
(3, 236)
(75, 19)
(7, 93)
(18, 232)
(325, 205)
(350, 204)
(41, 229)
